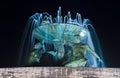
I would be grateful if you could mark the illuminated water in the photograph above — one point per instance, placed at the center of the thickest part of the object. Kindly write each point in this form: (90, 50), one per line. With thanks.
(42, 27)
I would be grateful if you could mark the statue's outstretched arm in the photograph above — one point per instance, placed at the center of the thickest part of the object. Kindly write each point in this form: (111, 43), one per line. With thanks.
(93, 53)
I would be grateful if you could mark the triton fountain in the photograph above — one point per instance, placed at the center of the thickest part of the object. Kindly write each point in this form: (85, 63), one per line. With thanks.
(60, 41)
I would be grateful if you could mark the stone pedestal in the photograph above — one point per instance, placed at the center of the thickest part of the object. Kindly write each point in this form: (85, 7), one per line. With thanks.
(59, 72)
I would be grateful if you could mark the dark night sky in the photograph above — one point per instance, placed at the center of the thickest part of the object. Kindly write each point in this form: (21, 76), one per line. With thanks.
(104, 14)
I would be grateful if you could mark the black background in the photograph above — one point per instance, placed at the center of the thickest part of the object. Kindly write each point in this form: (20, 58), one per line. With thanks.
(104, 14)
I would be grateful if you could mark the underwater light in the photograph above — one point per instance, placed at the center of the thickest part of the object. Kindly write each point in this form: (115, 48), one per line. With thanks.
(83, 33)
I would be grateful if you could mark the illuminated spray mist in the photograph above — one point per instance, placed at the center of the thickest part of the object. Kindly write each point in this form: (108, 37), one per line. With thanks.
(49, 30)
